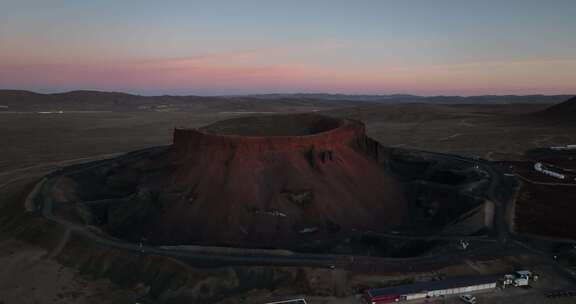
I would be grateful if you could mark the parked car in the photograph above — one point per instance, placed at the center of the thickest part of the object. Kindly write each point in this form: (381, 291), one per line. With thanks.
(468, 299)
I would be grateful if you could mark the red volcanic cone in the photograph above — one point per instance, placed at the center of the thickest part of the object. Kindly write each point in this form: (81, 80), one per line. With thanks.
(272, 181)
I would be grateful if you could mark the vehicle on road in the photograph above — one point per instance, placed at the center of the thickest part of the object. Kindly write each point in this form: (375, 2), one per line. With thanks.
(468, 299)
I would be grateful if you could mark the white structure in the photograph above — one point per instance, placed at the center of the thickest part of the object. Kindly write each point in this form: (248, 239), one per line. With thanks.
(542, 169)
(567, 147)
(524, 274)
(309, 230)
(51, 112)
(465, 289)
(523, 278)
(508, 280)
(422, 290)
(519, 278)
(519, 282)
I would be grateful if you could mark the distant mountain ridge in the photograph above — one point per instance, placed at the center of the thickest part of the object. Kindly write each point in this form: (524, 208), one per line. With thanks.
(21, 100)
(393, 98)
(86, 100)
(563, 109)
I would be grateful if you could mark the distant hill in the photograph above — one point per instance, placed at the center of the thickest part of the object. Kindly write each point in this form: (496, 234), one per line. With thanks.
(566, 109)
(18, 100)
(404, 98)
(14, 100)
(79, 100)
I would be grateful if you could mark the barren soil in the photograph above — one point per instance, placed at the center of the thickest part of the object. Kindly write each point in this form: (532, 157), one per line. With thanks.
(30, 140)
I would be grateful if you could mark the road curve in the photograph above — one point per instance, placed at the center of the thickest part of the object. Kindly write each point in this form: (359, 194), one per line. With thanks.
(491, 249)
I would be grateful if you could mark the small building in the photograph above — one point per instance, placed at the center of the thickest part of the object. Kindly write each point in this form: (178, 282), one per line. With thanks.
(451, 286)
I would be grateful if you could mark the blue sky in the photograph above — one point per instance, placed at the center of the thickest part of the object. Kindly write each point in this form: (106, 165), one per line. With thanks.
(228, 47)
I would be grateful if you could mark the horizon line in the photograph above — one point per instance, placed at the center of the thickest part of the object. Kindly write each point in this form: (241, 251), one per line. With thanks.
(133, 93)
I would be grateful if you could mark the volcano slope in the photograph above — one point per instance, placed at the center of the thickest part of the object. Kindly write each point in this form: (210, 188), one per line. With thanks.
(270, 182)
(564, 111)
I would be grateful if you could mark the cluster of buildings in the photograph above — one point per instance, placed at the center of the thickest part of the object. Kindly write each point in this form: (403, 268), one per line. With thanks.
(451, 286)
(460, 286)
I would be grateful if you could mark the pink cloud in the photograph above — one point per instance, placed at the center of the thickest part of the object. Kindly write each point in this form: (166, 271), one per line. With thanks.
(241, 71)
(178, 74)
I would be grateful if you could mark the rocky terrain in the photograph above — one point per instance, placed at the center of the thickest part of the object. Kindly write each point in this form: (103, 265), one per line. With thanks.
(35, 144)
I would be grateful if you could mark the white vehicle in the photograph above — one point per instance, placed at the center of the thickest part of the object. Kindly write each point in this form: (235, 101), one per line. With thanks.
(520, 278)
(524, 274)
(519, 282)
(508, 280)
(523, 278)
(468, 299)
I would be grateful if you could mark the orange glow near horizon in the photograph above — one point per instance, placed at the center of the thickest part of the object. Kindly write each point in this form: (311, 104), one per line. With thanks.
(208, 74)
(442, 47)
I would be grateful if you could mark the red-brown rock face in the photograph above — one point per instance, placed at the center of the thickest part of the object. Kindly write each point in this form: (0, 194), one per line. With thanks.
(271, 181)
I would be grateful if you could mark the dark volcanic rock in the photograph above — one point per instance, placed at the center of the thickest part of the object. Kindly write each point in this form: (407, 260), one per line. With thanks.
(128, 217)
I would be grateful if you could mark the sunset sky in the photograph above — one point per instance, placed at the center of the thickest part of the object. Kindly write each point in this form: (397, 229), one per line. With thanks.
(424, 47)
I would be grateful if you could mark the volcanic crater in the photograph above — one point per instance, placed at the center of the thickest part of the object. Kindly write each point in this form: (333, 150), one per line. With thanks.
(275, 181)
